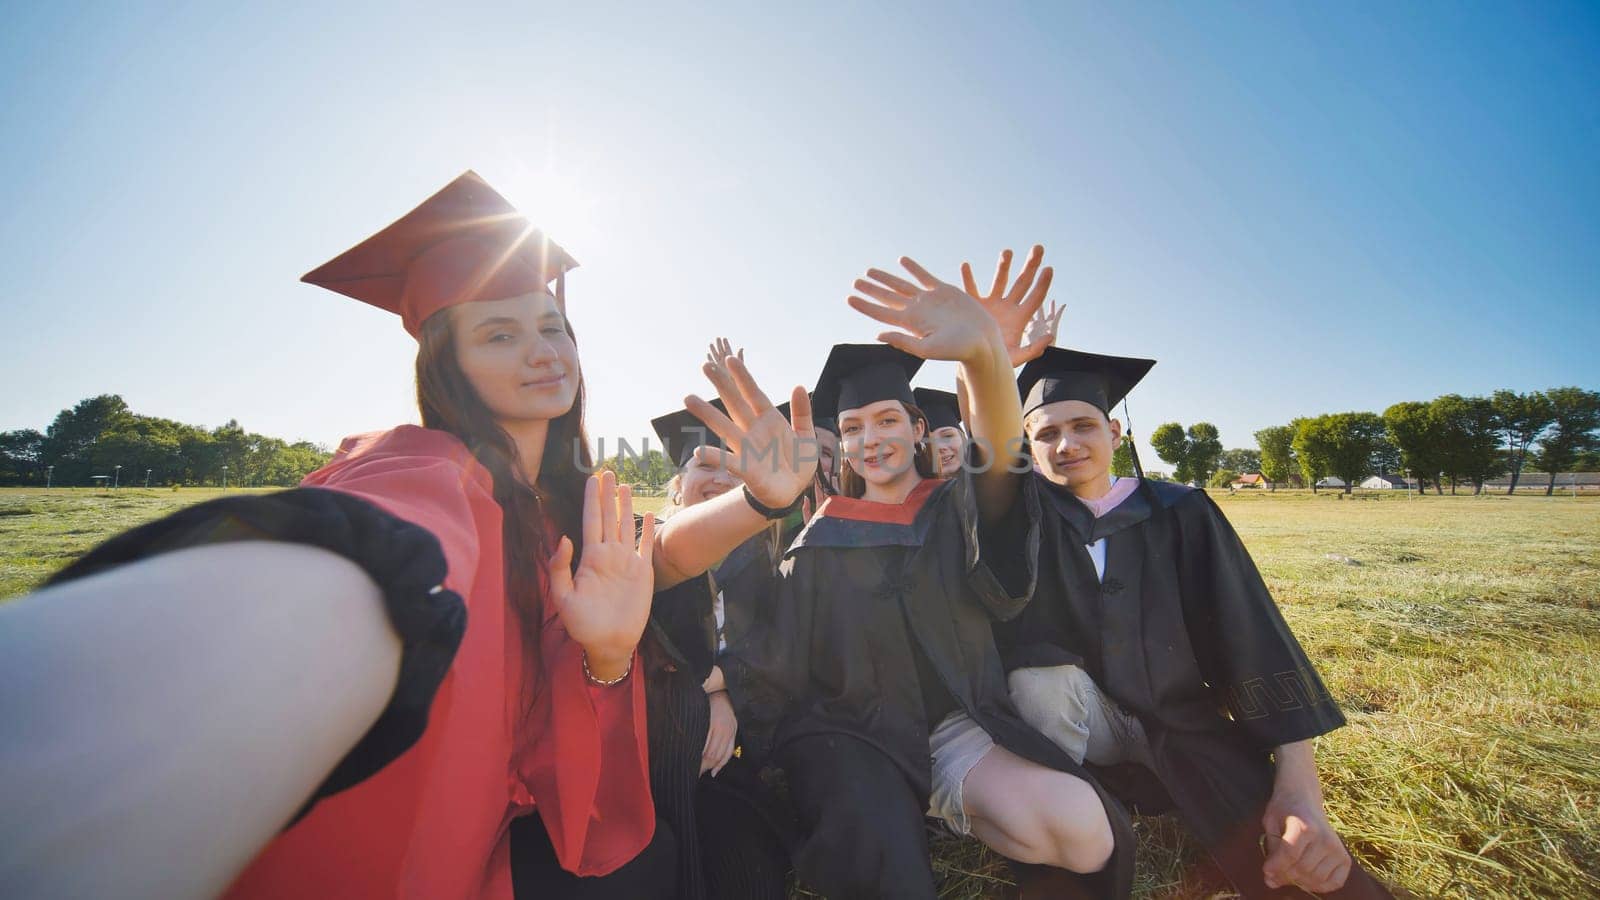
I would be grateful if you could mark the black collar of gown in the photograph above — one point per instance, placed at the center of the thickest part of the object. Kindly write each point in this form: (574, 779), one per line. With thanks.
(1135, 509)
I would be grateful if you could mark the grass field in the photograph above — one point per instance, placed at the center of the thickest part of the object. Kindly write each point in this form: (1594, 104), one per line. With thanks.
(1462, 634)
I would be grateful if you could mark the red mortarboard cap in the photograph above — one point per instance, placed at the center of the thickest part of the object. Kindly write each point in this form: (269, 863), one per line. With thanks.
(463, 244)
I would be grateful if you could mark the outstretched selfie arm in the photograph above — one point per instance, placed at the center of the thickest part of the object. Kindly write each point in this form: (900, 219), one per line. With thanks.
(164, 720)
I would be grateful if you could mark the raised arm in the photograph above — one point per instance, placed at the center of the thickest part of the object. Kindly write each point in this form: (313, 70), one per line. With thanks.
(1024, 327)
(776, 460)
(943, 322)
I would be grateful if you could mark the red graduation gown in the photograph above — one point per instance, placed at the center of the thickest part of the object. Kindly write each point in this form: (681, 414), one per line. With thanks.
(433, 823)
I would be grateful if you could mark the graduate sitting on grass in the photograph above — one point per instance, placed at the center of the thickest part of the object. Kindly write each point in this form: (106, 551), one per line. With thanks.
(1152, 646)
(875, 669)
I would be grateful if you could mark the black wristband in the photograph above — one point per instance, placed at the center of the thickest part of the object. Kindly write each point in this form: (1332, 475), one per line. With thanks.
(767, 511)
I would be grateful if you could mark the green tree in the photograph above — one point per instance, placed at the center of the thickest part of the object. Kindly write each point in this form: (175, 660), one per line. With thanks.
(1470, 439)
(1240, 459)
(1172, 445)
(1417, 433)
(657, 470)
(1572, 433)
(1310, 449)
(1278, 464)
(1205, 448)
(71, 437)
(649, 468)
(1588, 461)
(1122, 461)
(137, 445)
(1222, 478)
(1386, 457)
(1339, 444)
(1524, 418)
(202, 462)
(1356, 437)
(1192, 453)
(303, 457)
(232, 447)
(19, 457)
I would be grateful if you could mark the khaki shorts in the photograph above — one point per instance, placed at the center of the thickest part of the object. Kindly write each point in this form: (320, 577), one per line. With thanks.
(957, 744)
(1065, 704)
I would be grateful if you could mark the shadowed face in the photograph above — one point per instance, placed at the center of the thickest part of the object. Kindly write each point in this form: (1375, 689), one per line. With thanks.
(948, 443)
(1072, 442)
(827, 456)
(877, 442)
(518, 356)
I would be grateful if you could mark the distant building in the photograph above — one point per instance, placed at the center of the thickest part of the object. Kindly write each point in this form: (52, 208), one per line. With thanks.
(1389, 483)
(1250, 480)
(1330, 481)
(1530, 480)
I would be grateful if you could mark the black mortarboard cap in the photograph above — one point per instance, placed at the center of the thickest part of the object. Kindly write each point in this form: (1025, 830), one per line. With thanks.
(941, 408)
(1059, 374)
(858, 374)
(828, 423)
(681, 432)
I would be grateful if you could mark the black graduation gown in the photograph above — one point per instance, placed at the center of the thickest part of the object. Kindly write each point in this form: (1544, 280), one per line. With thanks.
(1181, 628)
(679, 649)
(860, 597)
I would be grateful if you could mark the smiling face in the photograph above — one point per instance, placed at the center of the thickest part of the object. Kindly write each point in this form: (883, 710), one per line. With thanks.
(518, 356)
(702, 478)
(948, 442)
(878, 443)
(1072, 443)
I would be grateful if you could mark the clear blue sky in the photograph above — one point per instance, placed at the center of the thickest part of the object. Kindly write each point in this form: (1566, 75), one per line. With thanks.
(1297, 208)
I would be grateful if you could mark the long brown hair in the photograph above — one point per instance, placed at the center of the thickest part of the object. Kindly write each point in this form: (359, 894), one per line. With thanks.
(853, 485)
(448, 403)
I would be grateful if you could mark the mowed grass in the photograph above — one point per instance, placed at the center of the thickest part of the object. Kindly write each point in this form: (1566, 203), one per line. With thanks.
(43, 530)
(1462, 635)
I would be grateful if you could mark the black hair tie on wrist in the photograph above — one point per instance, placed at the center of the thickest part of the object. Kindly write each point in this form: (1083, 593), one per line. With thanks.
(768, 511)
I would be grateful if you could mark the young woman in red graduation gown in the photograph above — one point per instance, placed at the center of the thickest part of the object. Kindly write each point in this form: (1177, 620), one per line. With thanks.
(353, 688)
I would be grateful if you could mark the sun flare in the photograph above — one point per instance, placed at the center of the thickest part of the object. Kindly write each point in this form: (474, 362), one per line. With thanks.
(554, 202)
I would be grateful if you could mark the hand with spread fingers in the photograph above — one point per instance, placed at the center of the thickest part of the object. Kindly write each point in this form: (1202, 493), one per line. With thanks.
(940, 321)
(720, 350)
(1040, 334)
(1015, 308)
(605, 604)
(769, 453)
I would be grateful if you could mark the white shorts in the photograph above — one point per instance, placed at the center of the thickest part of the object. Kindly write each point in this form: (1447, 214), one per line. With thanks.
(957, 744)
(1065, 704)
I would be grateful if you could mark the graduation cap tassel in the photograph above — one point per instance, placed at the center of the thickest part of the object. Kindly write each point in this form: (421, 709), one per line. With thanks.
(1133, 447)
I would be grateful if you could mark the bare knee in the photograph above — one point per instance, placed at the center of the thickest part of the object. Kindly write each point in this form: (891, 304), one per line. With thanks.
(1082, 843)
(1077, 825)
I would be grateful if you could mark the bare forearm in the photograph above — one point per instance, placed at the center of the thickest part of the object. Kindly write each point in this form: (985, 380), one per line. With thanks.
(698, 537)
(195, 699)
(996, 422)
(1295, 770)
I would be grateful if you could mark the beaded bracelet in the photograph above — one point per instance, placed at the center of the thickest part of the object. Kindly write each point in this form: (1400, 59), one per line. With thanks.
(613, 682)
